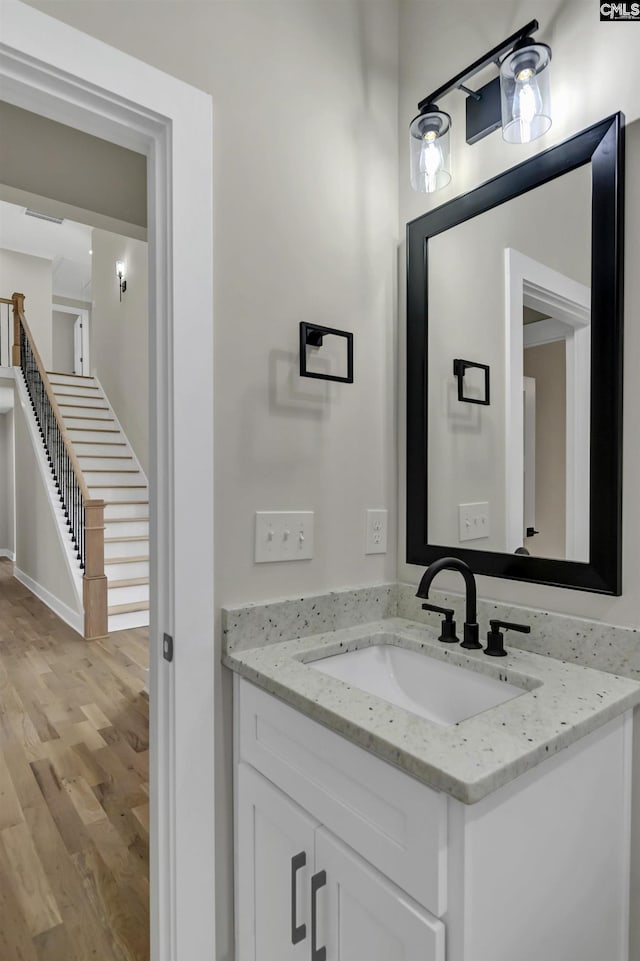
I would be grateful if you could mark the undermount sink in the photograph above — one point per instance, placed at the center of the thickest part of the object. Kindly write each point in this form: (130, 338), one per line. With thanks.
(434, 689)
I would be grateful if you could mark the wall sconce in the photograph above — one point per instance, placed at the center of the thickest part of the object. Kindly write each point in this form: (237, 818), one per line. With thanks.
(518, 100)
(121, 273)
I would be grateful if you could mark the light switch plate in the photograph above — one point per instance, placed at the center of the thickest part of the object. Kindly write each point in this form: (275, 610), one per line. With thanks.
(376, 540)
(283, 536)
(473, 521)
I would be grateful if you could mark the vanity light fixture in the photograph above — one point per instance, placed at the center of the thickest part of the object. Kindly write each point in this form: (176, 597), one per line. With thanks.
(121, 273)
(518, 100)
(430, 155)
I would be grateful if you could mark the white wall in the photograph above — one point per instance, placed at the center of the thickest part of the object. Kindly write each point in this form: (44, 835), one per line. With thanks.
(39, 551)
(31, 276)
(6, 485)
(588, 84)
(118, 331)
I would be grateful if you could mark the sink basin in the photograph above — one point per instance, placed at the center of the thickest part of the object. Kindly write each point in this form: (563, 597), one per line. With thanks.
(439, 691)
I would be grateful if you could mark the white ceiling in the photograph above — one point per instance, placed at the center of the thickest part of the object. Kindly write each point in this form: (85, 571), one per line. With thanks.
(67, 245)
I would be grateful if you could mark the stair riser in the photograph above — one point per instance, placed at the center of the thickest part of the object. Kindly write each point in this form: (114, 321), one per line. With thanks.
(122, 572)
(107, 479)
(119, 494)
(127, 595)
(124, 622)
(125, 510)
(95, 437)
(86, 449)
(131, 529)
(73, 381)
(99, 412)
(83, 391)
(125, 549)
(85, 423)
(91, 463)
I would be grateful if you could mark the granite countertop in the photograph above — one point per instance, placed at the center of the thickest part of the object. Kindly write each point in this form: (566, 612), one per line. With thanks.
(560, 703)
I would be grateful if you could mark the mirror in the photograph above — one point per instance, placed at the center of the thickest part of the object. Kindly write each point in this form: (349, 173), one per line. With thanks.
(514, 379)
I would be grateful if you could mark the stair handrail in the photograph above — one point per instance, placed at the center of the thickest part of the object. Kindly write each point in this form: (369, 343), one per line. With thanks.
(19, 319)
(85, 519)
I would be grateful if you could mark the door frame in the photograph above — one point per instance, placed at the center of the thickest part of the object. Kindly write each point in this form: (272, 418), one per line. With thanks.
(532, 283)
(82, 314)
(54, 70)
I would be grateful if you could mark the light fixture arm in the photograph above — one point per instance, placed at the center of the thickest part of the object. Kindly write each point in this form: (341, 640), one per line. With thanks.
(493, 56)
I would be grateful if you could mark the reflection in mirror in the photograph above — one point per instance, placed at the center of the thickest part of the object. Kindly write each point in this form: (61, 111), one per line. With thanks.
(510, 289)
(524, 275)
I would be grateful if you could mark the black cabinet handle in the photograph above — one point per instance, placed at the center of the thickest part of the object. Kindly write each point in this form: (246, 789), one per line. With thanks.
(317, 881)
(298, 931)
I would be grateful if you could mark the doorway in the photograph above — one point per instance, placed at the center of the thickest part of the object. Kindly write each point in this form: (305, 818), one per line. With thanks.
(548, 319)
(71, 340)
(120, 99)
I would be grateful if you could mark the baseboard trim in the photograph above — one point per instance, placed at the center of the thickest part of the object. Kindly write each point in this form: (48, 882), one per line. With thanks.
(4, 552)
(73, 618)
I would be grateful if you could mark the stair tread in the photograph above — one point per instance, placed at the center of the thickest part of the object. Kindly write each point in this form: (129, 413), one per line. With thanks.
(129, 608)
(126, 520)
(61, 373)
(82, 406)
(103, 420)
(92, 430)
(117, 503)
(108, 561)
(115, 487)
(100, 443)
(103, 457)
(129, 582)
(109, 470)
(60, 393)
(119, 540)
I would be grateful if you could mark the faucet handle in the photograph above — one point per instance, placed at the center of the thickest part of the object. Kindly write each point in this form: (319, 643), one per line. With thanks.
(448, 625)
(495, 640)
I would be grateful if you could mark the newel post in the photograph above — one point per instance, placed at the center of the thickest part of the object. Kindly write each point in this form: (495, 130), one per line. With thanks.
(18, 309)
(94, 584)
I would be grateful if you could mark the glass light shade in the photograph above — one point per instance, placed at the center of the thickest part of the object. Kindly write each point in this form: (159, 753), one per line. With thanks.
(525, 93)
(429, 151)
(121, 269)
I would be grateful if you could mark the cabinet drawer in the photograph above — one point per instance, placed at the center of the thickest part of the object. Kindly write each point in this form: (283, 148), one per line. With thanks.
(390, 819)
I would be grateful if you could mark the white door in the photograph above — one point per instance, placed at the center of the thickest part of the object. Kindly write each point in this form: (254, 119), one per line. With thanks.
(362, 916)
(78, 346)
(529, 421)
(274, 865)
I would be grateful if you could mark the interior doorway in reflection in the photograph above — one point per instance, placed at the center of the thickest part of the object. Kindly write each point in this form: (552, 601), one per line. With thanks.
(545, 460)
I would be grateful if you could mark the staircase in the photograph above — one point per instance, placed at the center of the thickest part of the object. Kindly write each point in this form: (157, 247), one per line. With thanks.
(112, 474)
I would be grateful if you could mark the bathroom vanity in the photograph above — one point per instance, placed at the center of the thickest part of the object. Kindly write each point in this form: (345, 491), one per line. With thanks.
(367, 832)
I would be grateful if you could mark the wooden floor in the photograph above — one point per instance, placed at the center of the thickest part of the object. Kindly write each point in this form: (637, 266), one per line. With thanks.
(74, 802)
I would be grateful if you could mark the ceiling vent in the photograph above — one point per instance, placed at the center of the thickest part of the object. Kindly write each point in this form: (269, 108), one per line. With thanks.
(47, 217)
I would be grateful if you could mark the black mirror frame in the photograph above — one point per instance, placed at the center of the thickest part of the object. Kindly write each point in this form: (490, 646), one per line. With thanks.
(602, 145)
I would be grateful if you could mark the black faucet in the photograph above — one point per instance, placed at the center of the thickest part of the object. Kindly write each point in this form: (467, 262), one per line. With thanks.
(471, 629)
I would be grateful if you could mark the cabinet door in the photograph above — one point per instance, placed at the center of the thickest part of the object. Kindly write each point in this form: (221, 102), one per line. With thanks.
(275, 842)
(361, 916)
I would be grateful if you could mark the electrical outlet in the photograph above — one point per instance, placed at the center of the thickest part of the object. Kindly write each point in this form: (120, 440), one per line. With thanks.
(283, 536)
(473, 520)
(376, 540)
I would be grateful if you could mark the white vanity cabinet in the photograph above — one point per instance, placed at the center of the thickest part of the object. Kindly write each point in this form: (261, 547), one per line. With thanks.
(303, 894)
(341, 856)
